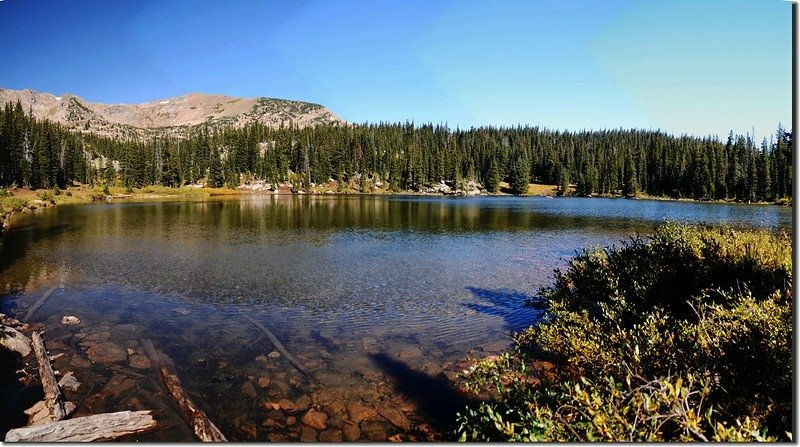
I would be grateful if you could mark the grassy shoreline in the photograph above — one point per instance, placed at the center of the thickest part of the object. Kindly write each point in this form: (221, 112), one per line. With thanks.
(21, 200)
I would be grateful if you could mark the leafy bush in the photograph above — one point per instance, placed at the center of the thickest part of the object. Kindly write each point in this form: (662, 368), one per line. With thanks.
(106, 191)
(685, 335)
(56, 191)
(46, 195)
(16, 204)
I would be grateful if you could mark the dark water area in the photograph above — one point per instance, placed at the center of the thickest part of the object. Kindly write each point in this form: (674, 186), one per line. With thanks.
(381, 298)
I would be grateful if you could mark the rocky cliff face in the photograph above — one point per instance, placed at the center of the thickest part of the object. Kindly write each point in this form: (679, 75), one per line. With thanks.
(171, 116)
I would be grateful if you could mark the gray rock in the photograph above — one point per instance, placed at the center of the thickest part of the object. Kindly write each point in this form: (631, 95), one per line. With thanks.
(14, 341)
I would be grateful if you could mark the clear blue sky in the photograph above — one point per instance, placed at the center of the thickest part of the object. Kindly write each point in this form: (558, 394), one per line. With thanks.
(697, 66)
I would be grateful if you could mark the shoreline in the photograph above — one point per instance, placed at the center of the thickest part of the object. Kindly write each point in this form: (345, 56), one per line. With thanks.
(24, 200)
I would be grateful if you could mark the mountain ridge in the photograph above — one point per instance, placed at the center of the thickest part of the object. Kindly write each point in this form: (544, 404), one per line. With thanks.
(168, 116)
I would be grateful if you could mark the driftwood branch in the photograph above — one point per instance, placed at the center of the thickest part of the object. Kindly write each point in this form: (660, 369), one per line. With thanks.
(98, 427)
(204, 429)
(52, 394)
(278, 345)
(39, 303)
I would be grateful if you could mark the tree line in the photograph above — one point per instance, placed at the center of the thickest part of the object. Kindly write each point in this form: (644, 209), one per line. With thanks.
(403, 157)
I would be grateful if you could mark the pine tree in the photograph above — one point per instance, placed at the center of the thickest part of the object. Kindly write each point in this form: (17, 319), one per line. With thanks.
(492, 182)
(215, 175)
(563, 184)
(520, 177)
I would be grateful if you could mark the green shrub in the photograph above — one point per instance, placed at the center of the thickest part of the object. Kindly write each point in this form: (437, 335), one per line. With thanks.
(685, 335)
(13, 204)
(56, 191)
(5, 193)
(106, 191)
(46, 195)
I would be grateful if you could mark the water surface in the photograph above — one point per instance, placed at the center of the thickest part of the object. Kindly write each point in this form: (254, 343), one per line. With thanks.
(380, 297)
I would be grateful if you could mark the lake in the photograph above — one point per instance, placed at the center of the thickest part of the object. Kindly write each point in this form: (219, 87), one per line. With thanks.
(382, 298)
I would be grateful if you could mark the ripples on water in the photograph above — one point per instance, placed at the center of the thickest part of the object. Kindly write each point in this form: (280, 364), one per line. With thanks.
(361, 289)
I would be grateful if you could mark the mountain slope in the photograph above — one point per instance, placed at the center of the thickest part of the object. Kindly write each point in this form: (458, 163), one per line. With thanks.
(170, 116)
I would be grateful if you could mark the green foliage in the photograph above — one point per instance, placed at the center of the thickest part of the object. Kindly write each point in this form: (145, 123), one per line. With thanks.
(563, 185)
(56, 191)
(15, 204)
(520, 177)
(46, 195)
(41, 154)
(106, 191)
(682, 336)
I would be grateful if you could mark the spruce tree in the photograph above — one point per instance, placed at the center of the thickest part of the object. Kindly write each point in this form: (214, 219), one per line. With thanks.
(520, 177)
(215, 175)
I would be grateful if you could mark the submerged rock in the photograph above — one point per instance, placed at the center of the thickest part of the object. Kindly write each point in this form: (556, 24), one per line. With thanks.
(68, 381)
(264, 382)
(138, 361)
(14, 341)
(315, 419)
(351, 432)
(249, 389)
(360, 412)
(303, 403)
(375, 430)
(395, 416)
(330, 435)
(106, 352)
(277, 437)
(308, 435)
(70, 320)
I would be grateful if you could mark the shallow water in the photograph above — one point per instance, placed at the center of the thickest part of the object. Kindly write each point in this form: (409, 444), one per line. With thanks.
(380, 297)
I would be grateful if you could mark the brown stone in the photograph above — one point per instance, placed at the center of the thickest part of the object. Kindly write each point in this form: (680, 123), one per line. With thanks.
(351, 432)
(395, 416)
(269, 422)
(375, 430)
(263, 382)
(410, 353)
(118, 384)
(315, 419)
(79, 362)
(277, 437)
(330, 435)
(95, 337)
(138, 361)
(308, 435)
(106, 353)
(291, 420)
(360, 412)
(249, 428)
(303, 403)
(287, 405)
(249, 390)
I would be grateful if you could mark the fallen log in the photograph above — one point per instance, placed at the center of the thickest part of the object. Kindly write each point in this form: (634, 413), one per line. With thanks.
(278, 345)
(52, 394)
(97, 427)
(204, 429)
(39, 303)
